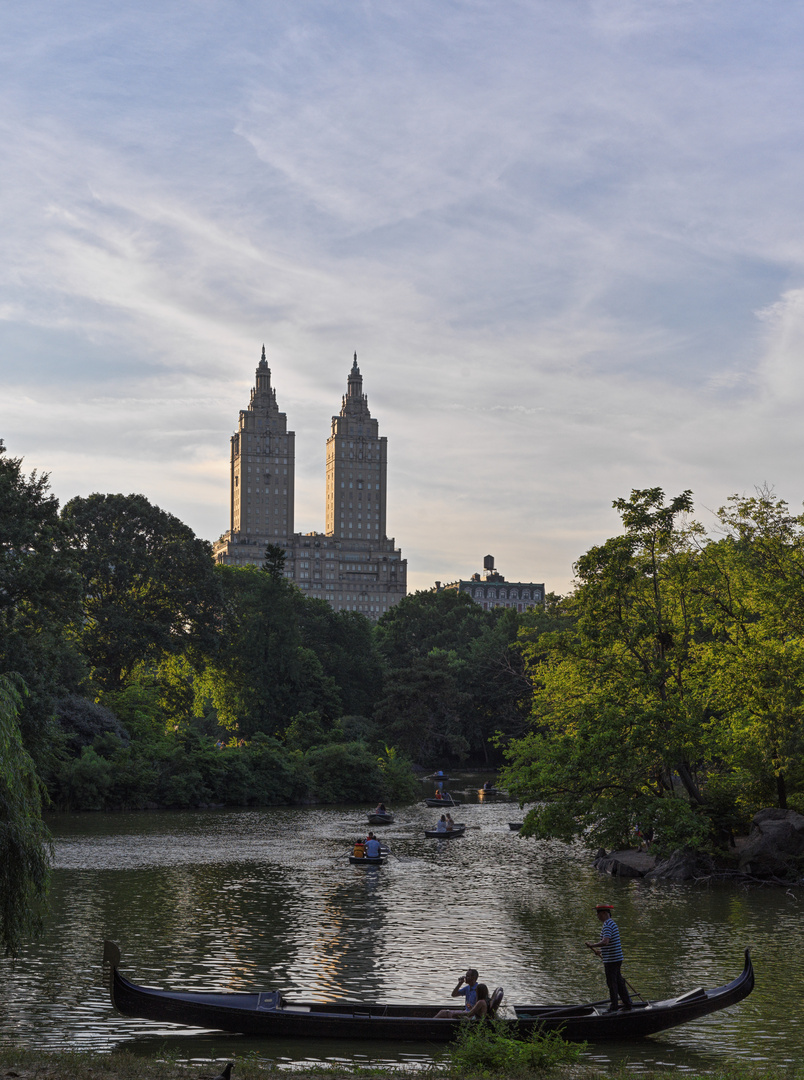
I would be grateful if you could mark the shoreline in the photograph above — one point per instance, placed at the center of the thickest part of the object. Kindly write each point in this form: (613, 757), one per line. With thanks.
(19, 1063)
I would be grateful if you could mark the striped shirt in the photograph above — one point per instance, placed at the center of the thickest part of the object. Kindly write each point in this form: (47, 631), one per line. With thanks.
(614, 950)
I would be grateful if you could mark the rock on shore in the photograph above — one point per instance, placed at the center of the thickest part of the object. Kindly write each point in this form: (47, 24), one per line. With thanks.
(775, 846)
(773, 849)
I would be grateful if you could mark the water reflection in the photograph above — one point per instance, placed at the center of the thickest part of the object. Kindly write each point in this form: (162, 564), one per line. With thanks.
(267, 899)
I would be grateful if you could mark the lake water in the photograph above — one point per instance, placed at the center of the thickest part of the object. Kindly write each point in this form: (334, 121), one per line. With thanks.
(267, 899)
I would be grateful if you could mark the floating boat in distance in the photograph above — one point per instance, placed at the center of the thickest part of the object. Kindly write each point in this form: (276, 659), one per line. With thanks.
(449, 801)
(515, 825)
(380, 819)
(446, 834)
(266, 1013)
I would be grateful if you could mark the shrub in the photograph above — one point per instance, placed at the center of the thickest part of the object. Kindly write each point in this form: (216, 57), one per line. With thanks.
(487, 1049)
(84, 720)
(344, 772)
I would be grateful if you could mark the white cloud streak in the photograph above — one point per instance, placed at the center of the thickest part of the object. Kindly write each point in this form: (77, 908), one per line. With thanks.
(564, 239)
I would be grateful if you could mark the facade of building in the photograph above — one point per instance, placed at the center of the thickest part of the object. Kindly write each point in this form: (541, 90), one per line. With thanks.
(493, 591)
(352, 565)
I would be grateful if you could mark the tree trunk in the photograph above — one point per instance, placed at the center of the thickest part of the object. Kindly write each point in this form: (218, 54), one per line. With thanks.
(690, 786)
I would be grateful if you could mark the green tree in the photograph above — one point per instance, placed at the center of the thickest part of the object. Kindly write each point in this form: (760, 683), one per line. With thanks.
(754, 591)
(424, 621)
(274, 563)
(423, 707)
(345, 644)
(620, 713)
(24, 839)
(263, 673)
(38, 597)
(148, 587)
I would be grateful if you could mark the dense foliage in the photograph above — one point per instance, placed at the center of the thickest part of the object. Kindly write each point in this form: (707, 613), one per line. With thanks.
(488, 1049)
(666, 691)
(157, 679)
(24, 844)
(671, 696)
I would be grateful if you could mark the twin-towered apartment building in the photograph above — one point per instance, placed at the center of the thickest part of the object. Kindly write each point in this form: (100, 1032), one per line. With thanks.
(352, 565)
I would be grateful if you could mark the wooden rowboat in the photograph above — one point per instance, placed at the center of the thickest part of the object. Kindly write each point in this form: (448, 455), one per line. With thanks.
(515, 826)
(447, 834)
(380, 819)
(443, 802)
(267, 1013)
(356, 860)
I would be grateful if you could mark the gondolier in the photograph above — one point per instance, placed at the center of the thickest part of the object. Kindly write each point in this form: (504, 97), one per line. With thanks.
(610, 950)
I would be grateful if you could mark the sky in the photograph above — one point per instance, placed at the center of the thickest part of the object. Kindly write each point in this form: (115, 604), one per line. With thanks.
(565, 238)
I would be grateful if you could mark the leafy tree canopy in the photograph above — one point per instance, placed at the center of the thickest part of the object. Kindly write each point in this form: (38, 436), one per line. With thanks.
(24, 839)
(148, 584)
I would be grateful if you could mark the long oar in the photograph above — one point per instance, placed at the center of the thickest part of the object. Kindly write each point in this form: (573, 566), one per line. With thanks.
(635, 992)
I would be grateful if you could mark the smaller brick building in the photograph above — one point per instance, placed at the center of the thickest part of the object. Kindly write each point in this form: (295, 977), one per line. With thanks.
(491, 590)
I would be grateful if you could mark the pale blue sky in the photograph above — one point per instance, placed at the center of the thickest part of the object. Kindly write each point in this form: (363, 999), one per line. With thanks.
(564, 238)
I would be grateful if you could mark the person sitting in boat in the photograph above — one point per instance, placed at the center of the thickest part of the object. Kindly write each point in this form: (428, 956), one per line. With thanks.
(380, 808)
(438, 794)
(373, 848)
(442, 824)
(480, 1008)
(467, 987)
(487, 786)
(450, 822)
(360, 849)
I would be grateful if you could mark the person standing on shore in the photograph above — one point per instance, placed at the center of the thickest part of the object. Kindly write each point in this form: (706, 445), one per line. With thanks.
(611, 952)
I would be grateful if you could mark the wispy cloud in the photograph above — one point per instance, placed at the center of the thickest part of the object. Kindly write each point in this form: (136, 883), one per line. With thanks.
(564, 239)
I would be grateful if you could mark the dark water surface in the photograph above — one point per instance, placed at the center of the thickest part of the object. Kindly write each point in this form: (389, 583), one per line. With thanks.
(239, 900)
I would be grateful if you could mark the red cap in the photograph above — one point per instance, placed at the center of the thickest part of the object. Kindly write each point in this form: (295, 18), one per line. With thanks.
(604, 907)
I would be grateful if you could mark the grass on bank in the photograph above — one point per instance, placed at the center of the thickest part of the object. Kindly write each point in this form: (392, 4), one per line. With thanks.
(460, 1062)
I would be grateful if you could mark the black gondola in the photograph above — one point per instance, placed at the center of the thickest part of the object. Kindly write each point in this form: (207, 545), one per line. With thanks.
(269, 1013)
(445, 834)
(515, 826)
(449, 801)
(365, 860)
(380, 819)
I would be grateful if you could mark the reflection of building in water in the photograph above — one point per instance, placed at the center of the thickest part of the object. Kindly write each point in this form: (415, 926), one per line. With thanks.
(353, 565)
(493, 591)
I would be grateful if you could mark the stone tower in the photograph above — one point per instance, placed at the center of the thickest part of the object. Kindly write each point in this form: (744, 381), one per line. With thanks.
(357, 460)
(262, 468)
(353, 565)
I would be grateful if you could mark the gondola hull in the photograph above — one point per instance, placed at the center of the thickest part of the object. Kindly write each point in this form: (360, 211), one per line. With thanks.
(447, 834)
(380, 819)
(443, 802)
(357, 860)
(268, 1013)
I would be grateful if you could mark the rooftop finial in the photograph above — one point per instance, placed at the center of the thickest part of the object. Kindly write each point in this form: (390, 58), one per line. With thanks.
(263, 352)
(354, 365)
